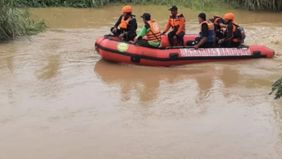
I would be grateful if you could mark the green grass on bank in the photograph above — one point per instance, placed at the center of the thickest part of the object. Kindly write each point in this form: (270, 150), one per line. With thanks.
(15, 22)
(97, 3)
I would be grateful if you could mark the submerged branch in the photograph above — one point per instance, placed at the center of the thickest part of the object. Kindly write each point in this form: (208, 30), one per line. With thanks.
(277, 88)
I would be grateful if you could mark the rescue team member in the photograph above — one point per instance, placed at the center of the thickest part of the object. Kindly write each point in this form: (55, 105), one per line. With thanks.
(126, 25)
(232, 35)
(177, 23)
(219, 27)
(151, 29)
(207, 34)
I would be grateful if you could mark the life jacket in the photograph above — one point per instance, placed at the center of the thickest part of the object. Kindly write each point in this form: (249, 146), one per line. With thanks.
(155, 33)
(175, 22)
(124, 23)
(211, 36)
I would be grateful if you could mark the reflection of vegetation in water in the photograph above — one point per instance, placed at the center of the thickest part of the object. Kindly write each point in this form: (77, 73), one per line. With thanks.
(15, 22)
(277, 88)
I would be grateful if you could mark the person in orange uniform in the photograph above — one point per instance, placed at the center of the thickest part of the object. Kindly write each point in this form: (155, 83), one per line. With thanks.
(151, 29)
(177, 23)
(206, 37)
(232, 35)
(126, 26)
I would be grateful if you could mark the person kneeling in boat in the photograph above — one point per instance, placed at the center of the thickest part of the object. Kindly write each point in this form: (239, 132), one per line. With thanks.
(177, 23)
(219, 27)
(234, 35)
(126, 26)
(151, 29)
(207, 34)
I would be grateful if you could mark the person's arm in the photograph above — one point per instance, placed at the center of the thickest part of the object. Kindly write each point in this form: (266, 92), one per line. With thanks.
(167, 27)
(118, 22)
(229, 35)
(205, 34)
(222, 25)
(181, 25)
(143, 32)
(140, 34)
(132, 26)
(229, 32)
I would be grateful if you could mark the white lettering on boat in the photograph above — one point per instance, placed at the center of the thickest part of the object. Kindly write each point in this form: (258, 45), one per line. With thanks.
(215, 52)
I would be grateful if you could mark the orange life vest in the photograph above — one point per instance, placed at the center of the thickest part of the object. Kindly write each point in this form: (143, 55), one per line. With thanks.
(154, 34)
(211, 36)
(210, 25)
(176, 22)
(124, 23)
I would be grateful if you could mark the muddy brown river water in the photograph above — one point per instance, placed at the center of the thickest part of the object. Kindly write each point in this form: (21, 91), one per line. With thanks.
(59, 100)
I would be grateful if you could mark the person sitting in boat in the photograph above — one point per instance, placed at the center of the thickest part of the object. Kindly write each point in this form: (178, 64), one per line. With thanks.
(126, 26)
(219, 27)
(150, 29)
(206, 37)
(233, 35)
(177, 23)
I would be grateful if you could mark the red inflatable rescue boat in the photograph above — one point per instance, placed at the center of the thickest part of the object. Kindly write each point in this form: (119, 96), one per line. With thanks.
(114, 50)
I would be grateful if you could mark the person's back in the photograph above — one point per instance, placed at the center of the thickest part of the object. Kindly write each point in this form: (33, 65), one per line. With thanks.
(150, 29)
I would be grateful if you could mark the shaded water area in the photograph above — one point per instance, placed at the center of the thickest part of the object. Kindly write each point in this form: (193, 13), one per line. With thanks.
(58, 100)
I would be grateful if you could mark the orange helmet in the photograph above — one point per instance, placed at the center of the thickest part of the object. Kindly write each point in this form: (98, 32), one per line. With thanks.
(127, 9)
(229, 16)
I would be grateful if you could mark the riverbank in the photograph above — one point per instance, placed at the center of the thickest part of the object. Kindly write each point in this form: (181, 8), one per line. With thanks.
(99, 3)
(275, 5)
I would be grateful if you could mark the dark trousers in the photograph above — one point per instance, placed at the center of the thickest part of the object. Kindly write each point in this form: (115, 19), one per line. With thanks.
(230, 44)
(127, 36)
(144, 43)
(179, 38)
(197, 40)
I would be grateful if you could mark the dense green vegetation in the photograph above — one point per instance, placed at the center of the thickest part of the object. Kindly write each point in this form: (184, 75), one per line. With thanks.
(15, 22)
(64, 3)
(97, 3)
(275, 5)
(277, 89)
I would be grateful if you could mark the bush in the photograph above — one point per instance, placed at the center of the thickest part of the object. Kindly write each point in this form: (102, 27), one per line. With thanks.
(15, 22)
(275, 5)
(96, 3)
